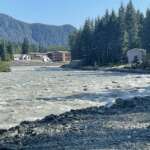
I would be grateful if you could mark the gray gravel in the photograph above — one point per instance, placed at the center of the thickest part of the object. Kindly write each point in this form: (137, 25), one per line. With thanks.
(123, 126)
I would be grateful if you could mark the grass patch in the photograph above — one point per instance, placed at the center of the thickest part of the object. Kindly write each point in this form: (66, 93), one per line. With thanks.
(4, 66)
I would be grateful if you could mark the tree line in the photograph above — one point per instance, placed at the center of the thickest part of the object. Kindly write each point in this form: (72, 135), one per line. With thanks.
(8, 49)
(106, 39)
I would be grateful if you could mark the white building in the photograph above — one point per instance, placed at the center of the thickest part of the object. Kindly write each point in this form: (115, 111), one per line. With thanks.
(17, 57)
(23, 57)
(26, 57)
(45, 58)
(140, 54)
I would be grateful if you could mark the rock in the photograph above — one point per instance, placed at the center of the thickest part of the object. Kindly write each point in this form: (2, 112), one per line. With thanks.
(25, 123)
(114, 82)
(120, 103)
(2, 131)
(49, 119)
(85, 88)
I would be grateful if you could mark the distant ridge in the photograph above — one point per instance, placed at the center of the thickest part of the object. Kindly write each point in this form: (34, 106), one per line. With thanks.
(15, 31)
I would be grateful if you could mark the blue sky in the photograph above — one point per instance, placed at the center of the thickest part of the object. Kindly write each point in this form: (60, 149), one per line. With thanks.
(60, 12)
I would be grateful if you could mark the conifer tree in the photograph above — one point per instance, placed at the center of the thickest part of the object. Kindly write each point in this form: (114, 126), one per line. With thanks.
(140, 23)
(3, 51)
(10, 51)
(86, 41)
(122, 29)
(75, 45)
(146, 32)
(25, 46)
(132, 26)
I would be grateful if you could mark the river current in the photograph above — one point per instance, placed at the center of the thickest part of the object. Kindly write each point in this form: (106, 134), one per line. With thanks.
(30, 93)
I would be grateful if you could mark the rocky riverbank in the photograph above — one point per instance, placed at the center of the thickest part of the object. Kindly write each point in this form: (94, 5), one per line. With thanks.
(121, 69)
(125, 125)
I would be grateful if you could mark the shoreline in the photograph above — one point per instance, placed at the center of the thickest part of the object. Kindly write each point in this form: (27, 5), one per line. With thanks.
(124, 125)
(112, 69)
(140, 71)
(36, 63)
(67, 67)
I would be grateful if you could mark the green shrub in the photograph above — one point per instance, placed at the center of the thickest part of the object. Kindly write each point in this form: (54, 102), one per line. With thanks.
(4, 66)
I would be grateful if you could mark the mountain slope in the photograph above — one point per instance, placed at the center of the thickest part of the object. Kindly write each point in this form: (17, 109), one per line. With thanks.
(15, 31)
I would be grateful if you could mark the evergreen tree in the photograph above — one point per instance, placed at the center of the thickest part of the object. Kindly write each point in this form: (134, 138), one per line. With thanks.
(97, 41)
(146, 32)
(114, 51)
(3, 51)
(104, 39)
(25, 46)
(33, 48)
(122, 29)
(101, 39)
(107, 40)
(41, 49)
(75, 45)
(140, 23)
(132, 26)
(10, 51)
(86, 41)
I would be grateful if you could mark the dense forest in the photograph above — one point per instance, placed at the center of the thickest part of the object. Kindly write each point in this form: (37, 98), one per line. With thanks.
(106, 39)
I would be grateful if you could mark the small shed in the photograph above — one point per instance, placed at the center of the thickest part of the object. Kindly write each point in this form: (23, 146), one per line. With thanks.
(136, 54)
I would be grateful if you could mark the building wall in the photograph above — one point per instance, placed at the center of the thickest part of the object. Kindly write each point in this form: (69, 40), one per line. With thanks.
(139, 53)
(60, 56)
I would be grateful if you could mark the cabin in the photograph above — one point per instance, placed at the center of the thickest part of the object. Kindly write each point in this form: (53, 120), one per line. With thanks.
(60, 56)
(136, 55)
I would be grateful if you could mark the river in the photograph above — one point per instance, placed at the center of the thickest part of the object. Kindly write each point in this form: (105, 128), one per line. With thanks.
(30, 93)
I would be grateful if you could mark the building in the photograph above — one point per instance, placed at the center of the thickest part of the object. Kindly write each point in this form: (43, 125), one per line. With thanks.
(17, 57)
(60, 56)
(24, 57)
(45, 58)
(136, 54)
(56, 56)
(40, 56)
(35, 56)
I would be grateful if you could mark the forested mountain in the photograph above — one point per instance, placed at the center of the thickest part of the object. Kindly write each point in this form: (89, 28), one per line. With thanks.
(45, 35)
(106, 39)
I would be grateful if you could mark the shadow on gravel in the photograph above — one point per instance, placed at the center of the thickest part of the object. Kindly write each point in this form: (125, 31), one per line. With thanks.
(108, 139)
